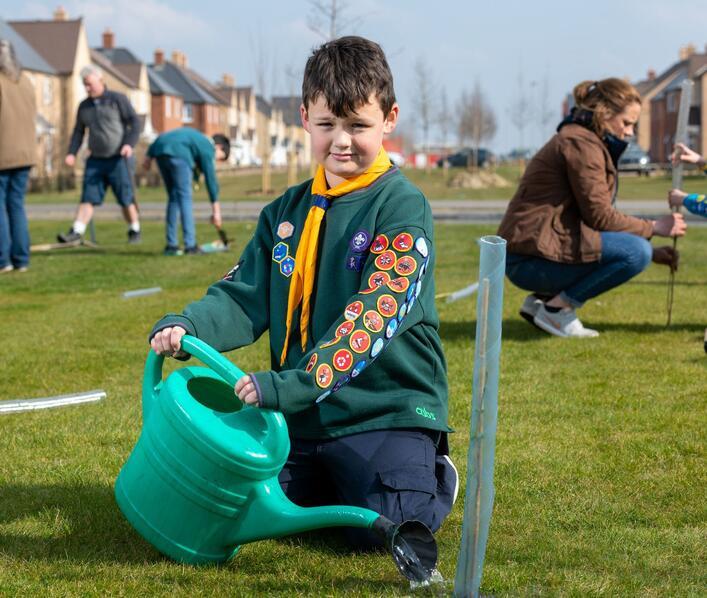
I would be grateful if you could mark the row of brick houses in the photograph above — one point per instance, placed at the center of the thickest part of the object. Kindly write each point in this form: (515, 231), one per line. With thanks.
(166, 94)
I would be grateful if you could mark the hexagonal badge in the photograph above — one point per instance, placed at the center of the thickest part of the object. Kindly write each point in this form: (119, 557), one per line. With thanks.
(279, 252)
(287, 266)
(285, 229)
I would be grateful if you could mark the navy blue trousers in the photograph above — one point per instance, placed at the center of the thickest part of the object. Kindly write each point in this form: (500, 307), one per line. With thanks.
(402, 474)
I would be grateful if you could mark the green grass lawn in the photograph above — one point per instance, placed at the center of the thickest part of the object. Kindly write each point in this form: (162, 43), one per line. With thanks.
(600, 470)
(246, 187)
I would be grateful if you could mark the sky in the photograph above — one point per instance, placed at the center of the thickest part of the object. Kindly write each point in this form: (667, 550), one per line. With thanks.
(551, 45)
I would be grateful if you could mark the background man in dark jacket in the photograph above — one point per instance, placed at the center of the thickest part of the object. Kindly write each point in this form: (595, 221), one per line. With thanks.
(113, 130)
(17, 155)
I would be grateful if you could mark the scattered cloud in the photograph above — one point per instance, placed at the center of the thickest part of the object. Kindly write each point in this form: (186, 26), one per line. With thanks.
(137, 23)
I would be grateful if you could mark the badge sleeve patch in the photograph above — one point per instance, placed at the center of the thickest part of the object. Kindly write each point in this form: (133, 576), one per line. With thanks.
(391, 280)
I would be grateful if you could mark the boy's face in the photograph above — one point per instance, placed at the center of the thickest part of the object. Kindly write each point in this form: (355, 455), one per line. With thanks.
(346, 146)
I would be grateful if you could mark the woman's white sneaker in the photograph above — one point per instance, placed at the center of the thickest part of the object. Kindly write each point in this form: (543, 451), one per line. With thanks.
(563, 323)
(530, 307)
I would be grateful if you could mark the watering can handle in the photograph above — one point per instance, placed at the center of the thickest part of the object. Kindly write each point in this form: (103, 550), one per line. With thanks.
(217, 362)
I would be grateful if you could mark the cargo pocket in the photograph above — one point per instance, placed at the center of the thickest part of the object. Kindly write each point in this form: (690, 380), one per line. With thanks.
(409, 493)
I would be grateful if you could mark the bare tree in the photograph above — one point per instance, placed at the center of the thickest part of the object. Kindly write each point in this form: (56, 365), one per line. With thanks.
(329, 18)
(520, 110)
(265, 76)
(423, 104)
(444, 118)
(544, 113)
(477, 121)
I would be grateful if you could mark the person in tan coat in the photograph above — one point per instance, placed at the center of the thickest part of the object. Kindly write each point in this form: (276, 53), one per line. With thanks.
(567, 242)
(17, 156)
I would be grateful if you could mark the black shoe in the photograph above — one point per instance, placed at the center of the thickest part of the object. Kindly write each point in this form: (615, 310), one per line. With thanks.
(173, 250)
(134, 236)
(70, 237)
(196, 250)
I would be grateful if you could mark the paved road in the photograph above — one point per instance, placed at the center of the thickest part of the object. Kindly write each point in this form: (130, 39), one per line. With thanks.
(444, 210)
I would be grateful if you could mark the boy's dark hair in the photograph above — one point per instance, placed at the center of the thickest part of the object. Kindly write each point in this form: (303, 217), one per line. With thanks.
(346, 71)
(223, 142)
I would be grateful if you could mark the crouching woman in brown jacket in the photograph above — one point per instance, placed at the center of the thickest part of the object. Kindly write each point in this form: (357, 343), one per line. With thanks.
(566, 240)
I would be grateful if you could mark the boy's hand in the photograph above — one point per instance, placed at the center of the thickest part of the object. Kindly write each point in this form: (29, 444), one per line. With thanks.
(168, 342)
(675, 198)
(682, 153)
(245, 389)
(667, 256)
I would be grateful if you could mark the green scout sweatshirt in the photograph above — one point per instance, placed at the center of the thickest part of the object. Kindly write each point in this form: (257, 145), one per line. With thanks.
(373, 358)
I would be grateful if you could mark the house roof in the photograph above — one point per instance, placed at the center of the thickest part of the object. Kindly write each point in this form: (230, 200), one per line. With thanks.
(55, 41)
(220, 95)
(289, 106)
(263, 106)
(224, 93)
(119, 55)
(131, 71)
(689, 67)
(177, 78)
(124, 61)
(27, 56)
(106, 65)
(159, 85)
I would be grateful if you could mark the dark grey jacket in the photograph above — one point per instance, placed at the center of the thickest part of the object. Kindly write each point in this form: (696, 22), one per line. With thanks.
(111, 121)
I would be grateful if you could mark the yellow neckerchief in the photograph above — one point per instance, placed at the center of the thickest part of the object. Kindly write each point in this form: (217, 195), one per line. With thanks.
(306, 256)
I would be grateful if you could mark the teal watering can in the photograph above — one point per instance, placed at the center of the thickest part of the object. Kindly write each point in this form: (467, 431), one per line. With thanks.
(203, 476)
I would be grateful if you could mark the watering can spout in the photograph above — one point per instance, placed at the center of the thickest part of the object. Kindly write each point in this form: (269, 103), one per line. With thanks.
(411, 543)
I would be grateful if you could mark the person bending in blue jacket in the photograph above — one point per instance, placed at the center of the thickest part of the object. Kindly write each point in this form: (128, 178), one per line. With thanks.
(181, 154)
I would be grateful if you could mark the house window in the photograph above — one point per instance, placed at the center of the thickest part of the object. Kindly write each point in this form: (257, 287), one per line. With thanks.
(187, 113)
(672, 101)
(168, 107)
(47, 92)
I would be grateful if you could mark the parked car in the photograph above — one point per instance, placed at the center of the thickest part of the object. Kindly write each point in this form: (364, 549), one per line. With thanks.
(464, 157)
(634, 159)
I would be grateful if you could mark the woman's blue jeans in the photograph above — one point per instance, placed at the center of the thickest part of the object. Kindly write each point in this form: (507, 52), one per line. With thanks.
(177, 176)
(14, 232)
(623, 256)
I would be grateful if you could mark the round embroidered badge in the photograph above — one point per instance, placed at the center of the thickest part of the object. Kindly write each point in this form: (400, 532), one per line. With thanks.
(386, 260)
(360, 341)
(324, 375)
(343, 360)
(345, 328)
(380, 244)
(373, 321)
(403, 242)
(406, 265)
(353, 310)
(399, 285)
(387, 305)
(378, 279)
